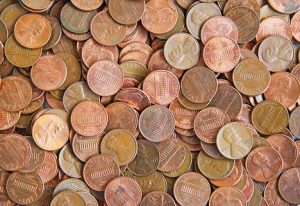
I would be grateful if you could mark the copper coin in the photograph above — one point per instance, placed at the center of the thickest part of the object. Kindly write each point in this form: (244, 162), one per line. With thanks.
(248, 189)
(105, 78)
(77, 37)
(192, 189)
(24, 189)
(40, 5)
(158, 198)
(49, 168)
(221, 54)
(156, 123)
(15, 153)
(228, 99)
(269, 117)
(99, 170)
(199, 85)
(272, 195)
(295, 26)
(274, 26)
(71, 184)
(252, 4)
(284, 6)
(293, 122)
(49, 73)
(11, 14)
(208, 122)
(284, 88)
(126, 11)
(276, 53)
(54, 102)
(121, 116)
(106, 31)
(89, 118)
(56, 33)
(69, 198)
(264, 164)
(227, 196)
(32, 30)
(246, 21)
(211, 150)
(4, 32)
(289, 185)
(8, 119)
(1, 53)
(65, 45)
(123, 191)
(160, 16)
(87, 5)
(286, 148)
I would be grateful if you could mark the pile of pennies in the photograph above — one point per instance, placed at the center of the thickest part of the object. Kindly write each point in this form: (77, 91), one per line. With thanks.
(150, 102)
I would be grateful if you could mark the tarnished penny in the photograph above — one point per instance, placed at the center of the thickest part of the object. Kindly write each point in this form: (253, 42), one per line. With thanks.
(32, 30)
(272, 195)
(289, 185)
(49, 73)
(4, 32)
(295, 26)
(87, 5)
(56, 32)
(105, 78)
(153, 182)
(293, 122)
(89, 118)
(221, 54)
(264, 164)
(11, 14)
(284, 6)
(99, 170)
(24, 189)
(251, 77)
(182, 51)
(8, 119)
(160, 16)
(68, 198)
(192, 189)
(157, 198)
(65, 45)
(39, 5)
(156, 123)
(69, 163)
(269, 117)
(211, 150)
(49, 168)
(71, 184)
(252, 4)
(1, 53)
(227, 196)
(123, 191)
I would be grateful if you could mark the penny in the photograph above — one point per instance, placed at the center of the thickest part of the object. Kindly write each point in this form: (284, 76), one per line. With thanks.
(40, 5)
(126, 11)
(49, 72)
(293, 120)
(92, 52)
(182, 51)
(295, 26)
(153, 182)
(158, 198)
(69, 198)
(49, 168)
(89, 118)
(24, 189)
(8, 119)
(192, 189)
(120, 145)
(199, 85)
(213, 168)
(221, 54)
(227, 196)
(105, 78)
(32, 30)
(71, 184)
(211, 150)
(264, 164)
(260, 141)
(134, 69)
(286, 147)
(195, 18)
(185, 132)
(77, 37)
(190, 105)
(87, 5)
(289, 185)
(1, 53)
(89, 199)
(4, 31)
(246, 21)
(276, 53)
(272, 195)
(11, 14)
(65, 45)
(50, 132)
(267, 11)
(286, 7)
(99, 170)
(156, 123)
(68, 162)
(55, 34)
(251, 4)
(106, 31)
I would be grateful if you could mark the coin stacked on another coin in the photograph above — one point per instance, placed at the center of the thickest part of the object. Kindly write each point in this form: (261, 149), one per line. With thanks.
(149, 102)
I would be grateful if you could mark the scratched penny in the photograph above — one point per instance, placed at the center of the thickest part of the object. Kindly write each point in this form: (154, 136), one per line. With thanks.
(153, 182)
(276, 53)
(99, 170)
(213, 168)
(221, 54)
(126, 11)
(192, 189)
(68, 198)
(227, 196)
(24, 189)
(269, 117)
(272, 196)
(289, 185)
(106, 31)
(89, 118)
(246, 21)
(284, 6)
(286, 147)
(182, 51)
(8, 119)
(92, 52)
(252, 4)
(32, 30)
(50, 132)
(264, 164)
(120, 145)
(251, 77)
(105, 78)
(157, 198)
(69, 163)
(87, 5)
(11, 14)
(198, 14)
(15, 93)
(123, 191)
(156, 123)
(49, 168)
(284, 88)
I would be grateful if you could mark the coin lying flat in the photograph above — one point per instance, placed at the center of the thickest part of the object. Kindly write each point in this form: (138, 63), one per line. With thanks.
(155, 198)
(68, 197)
(227, 196)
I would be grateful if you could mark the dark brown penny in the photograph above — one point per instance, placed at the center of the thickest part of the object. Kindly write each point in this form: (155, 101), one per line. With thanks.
(157, 198)
(89, 118)
(289, 185)
(293, 122)
(156, 123)
(49, 168)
